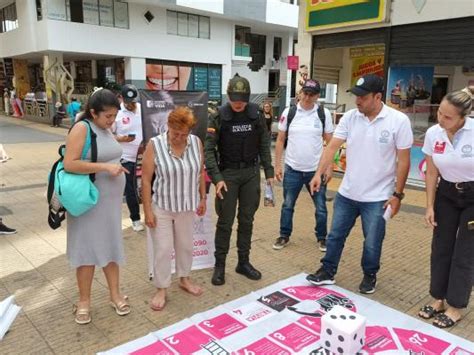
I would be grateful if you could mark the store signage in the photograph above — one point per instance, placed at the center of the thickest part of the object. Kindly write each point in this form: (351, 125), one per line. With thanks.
(367, 60)
(327, 14)
(293, 62)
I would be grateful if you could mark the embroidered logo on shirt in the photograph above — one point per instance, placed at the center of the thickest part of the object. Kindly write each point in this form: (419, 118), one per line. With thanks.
(466, 151)
(211, 130)
(384, 136)
(439, 147)
(126, 120)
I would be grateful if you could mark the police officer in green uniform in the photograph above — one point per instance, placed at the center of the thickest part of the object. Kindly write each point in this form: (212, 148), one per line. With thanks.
(237, 142)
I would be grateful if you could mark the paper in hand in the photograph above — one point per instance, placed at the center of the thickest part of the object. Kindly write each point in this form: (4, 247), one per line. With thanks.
(388, 213)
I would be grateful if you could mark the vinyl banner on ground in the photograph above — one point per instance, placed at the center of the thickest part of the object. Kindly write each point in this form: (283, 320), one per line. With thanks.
(285, 318)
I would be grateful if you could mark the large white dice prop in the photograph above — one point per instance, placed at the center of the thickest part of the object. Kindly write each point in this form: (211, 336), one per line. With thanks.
(342, 331)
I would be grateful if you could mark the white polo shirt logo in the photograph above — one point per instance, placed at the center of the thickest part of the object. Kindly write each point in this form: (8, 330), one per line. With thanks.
(384, 136)
(466, 151)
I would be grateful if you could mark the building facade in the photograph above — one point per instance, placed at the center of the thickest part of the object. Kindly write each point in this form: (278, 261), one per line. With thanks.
(66, 47)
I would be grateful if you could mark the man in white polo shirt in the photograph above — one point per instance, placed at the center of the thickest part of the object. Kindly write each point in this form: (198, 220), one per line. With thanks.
(378, 141)
(128, 132)
(305, 126)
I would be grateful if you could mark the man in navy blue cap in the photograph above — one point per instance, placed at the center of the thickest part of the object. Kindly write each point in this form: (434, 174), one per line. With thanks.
(378, 141)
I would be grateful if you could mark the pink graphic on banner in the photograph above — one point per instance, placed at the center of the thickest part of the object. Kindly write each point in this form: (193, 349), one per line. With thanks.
(325, 297)
(294, 337)
(378, 339)
(417, 342)
(313, 323)
(460, 351)
(263, 346)
(188, 341)
(158, 348)
(222, 326)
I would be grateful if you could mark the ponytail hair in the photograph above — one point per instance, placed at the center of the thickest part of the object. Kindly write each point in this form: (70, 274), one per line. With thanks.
(99, 101)
(461, 100)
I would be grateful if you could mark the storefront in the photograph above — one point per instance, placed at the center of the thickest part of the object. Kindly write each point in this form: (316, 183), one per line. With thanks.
(420, 63)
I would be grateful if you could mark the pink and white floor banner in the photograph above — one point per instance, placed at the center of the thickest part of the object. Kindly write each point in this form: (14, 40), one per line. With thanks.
(285, 318)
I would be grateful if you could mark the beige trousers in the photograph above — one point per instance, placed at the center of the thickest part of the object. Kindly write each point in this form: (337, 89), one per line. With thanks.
(172, 231)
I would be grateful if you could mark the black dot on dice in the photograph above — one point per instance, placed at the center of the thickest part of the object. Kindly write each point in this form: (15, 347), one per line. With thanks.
(341, 338)
(339, 350)
(352, 317)
(333, 316)
(343, 317)
(328, 344)
(355, 336)
(329, 331)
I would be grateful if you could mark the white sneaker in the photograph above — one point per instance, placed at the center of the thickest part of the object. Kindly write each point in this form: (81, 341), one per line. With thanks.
(137, 226)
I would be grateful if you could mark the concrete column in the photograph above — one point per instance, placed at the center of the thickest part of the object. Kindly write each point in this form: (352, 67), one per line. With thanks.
(288, 50)
(135, 71)
(303, 47)
(94, 71)
(72, 65)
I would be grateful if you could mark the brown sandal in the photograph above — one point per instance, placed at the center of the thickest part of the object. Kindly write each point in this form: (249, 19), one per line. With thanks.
(82, 315)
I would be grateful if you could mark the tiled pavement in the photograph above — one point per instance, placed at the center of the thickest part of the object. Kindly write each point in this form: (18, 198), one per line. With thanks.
(33, 265)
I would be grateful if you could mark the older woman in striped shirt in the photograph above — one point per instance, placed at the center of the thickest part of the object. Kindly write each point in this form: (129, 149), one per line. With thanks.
(176, 158)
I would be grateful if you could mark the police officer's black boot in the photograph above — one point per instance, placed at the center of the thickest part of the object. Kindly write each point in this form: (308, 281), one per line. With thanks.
(218, 277)
(245, 268)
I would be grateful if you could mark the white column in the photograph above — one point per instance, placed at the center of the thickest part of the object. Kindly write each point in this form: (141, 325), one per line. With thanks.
(135, 71)
(289, 51)
(303, 47)
(94, 70)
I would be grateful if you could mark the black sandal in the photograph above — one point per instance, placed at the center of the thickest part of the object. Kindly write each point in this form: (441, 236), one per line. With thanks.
(430, 311)
(444, 321)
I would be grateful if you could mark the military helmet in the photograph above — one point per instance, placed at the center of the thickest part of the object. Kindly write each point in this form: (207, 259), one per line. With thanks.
(238, 89)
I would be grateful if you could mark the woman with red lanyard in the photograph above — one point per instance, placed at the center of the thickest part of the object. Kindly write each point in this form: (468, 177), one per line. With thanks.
(449, 154)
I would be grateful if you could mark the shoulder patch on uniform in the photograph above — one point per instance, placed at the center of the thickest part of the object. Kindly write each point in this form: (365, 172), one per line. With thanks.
(211, 130)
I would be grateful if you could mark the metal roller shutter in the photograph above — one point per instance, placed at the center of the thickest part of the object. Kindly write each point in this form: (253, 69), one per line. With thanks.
(350, 39)
(329, 75)
(449, 42)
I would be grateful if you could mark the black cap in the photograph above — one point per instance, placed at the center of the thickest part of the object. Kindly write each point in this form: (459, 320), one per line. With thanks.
(129, 93)
(311, 86)
(367, 84)
(238, 89)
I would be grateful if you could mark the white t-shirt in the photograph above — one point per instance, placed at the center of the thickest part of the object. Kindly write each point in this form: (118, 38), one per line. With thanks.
(305, 139)
(455, 161)
(128, 122)
(371, 152)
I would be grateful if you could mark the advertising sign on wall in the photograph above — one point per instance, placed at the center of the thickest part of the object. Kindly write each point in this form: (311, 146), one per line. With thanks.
(407, 85)
(293, 62)
(367, 60)
(326, 14)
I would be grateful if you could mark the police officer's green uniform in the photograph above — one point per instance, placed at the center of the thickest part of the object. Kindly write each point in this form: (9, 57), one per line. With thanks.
(236, 143)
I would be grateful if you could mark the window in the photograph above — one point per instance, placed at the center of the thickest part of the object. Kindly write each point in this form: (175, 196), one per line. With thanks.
(187, 25)
(242, 47)
(277, 48)
(8, 18)
(110, 13)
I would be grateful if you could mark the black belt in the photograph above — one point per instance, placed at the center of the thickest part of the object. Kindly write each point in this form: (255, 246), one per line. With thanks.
(238, 165)
(460, 186)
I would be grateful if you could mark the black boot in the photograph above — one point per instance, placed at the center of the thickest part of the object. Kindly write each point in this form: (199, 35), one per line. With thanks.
(218, 277)
(245, 268)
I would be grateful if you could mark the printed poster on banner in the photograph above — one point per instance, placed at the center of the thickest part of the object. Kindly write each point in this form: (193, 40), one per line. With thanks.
(367, 60)
(285, 318)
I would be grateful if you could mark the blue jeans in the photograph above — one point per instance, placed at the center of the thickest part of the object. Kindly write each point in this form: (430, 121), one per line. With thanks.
(293, 182)
(345, 214)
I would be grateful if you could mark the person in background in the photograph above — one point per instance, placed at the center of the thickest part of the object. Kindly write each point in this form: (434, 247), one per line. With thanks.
(303, 152)
(378, 140)
(267, 110)
(73, 109)
(59, 115)
(173, 156)
(95, 237)
(128, 132)
(6, 230)
(449, 152)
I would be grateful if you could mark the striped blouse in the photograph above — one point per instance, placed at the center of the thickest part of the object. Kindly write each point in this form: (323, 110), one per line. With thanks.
(176, 186)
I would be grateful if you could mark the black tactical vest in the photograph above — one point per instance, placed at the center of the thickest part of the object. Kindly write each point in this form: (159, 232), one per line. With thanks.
(239, 136)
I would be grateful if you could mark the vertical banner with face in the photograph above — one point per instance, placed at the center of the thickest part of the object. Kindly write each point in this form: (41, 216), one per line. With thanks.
(156, 106)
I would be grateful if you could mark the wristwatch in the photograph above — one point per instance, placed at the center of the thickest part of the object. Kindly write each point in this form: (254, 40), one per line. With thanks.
(399, 195)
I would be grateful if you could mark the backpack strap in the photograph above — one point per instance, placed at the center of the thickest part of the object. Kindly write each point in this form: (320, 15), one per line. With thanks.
(322, 116)
(291, 115)
(90, 143)
(51, 178)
